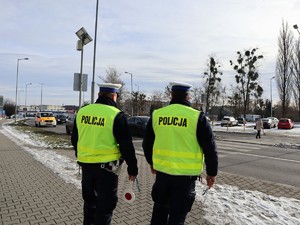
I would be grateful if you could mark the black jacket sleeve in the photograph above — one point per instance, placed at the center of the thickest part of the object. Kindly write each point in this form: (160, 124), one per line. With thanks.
(74, 137)
(206, 140)
(124, 139)
(148, 142)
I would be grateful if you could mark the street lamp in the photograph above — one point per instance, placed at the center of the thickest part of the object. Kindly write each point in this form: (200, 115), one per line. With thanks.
(296, 27)
(94, 59)
(131, 93)
(17, 87)
(138, 105)
(41, 95)
(271, 93)
(26, 93)
(84, 38)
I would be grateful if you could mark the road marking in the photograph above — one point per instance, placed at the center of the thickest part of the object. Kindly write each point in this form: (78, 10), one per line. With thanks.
(231, 144)
(267, 157)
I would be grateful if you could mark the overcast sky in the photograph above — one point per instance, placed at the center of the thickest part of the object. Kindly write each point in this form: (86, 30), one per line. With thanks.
(156, 41)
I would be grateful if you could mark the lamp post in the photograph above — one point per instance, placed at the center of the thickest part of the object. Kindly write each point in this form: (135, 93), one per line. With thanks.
(296, 27)
(41, 95)
(137, 102)
(271, 94)
(26, 93)
(17, 87)
(94, 59)
(131, 93)
(84, 38)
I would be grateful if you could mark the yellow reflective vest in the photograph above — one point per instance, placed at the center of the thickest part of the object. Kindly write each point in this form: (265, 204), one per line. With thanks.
(96, 143)
(176, 150)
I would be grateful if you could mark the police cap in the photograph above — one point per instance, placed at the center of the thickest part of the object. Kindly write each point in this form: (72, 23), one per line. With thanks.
(109, 87)
(180, 86)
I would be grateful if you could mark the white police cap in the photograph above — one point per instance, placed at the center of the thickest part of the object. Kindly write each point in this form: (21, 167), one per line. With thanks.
(109, 87)
(180, 86)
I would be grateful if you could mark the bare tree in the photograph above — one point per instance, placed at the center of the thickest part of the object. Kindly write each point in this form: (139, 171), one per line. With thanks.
(247, 76)
(211, 83)
(113, 76)
(196, 97)
(296, 76)
(284, 67)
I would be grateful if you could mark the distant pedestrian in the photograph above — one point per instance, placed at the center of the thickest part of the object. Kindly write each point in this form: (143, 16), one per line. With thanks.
(259, 126)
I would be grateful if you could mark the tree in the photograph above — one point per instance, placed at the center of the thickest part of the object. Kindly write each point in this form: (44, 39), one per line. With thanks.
(211, 83)
(113, 76)
(284, 67)
(296, 76)
(9, 107)
(247, 75)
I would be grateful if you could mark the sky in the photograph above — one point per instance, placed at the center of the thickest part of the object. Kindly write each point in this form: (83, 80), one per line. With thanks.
(229, 203)
(156, 41)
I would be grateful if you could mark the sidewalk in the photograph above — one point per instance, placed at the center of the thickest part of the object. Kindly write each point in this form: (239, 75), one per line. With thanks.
(33, 194)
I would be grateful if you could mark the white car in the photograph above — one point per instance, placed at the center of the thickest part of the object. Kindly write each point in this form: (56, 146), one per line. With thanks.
(229, 121)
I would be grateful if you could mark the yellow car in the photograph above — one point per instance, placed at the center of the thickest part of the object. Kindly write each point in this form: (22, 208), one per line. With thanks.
(45, 119)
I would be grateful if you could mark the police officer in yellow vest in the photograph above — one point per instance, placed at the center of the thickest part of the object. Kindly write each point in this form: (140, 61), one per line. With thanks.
(178, 141)
(102, 141)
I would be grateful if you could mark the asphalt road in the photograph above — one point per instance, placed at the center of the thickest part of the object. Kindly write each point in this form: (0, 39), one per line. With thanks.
(266, 162)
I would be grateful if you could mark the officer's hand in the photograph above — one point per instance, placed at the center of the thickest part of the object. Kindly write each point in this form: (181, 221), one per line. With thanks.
(131, 178)
(210, 180)
(153, 171)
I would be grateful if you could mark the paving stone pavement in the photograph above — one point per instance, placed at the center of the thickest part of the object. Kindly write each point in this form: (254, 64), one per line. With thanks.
(31, 193)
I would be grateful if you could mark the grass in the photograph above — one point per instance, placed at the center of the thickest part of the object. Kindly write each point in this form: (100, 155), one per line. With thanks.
(45, 137)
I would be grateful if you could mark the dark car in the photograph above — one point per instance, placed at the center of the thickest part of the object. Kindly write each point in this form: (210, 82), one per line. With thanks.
(70, 123)
(137, 125)
(241, 120)
(60, 118)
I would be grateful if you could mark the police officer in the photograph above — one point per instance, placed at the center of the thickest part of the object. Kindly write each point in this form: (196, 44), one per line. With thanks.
(178, 141)
(101, 141)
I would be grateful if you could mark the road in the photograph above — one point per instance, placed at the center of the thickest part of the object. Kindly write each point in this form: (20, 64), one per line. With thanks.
(280, 165)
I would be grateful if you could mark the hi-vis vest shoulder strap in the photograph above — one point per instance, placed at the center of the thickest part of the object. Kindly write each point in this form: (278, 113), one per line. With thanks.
(176, 150)
(96, 143)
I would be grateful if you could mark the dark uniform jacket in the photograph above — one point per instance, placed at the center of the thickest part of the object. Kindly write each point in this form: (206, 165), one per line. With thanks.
(205, 139)
(121, 133)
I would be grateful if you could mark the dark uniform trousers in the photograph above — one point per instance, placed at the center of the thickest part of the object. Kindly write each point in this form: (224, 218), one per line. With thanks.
(173, 198)
(99, 192)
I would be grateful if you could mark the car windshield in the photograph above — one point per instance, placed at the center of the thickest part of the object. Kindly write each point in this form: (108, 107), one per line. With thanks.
(284, 121)
(46, 114)
(225, 118)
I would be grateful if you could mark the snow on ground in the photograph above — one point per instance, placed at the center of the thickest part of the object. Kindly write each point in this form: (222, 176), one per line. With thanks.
(223, 204)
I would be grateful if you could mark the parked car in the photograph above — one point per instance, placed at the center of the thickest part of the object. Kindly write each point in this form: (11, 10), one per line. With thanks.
(268, 123)
(60, 118)
(275, 120)
(44, 119)
(241, 120)
(137, 125)
(70, 123)
(229, 121)
(285, 123)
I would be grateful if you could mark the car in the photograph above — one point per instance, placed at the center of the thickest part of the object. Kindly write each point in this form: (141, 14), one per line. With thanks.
(275, 120)
(241, 120)
(285, 123)
(268, 123)
(229, 121)
(137, 125)
(44, 119)
(70, 123)
(60, 118)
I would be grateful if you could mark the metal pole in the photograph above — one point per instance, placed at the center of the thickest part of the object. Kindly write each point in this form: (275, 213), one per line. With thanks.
(131, 96)
(94, 60)
(271, 94)
(26, 94)
(41, 96)
(80, 78)
(17, 78)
